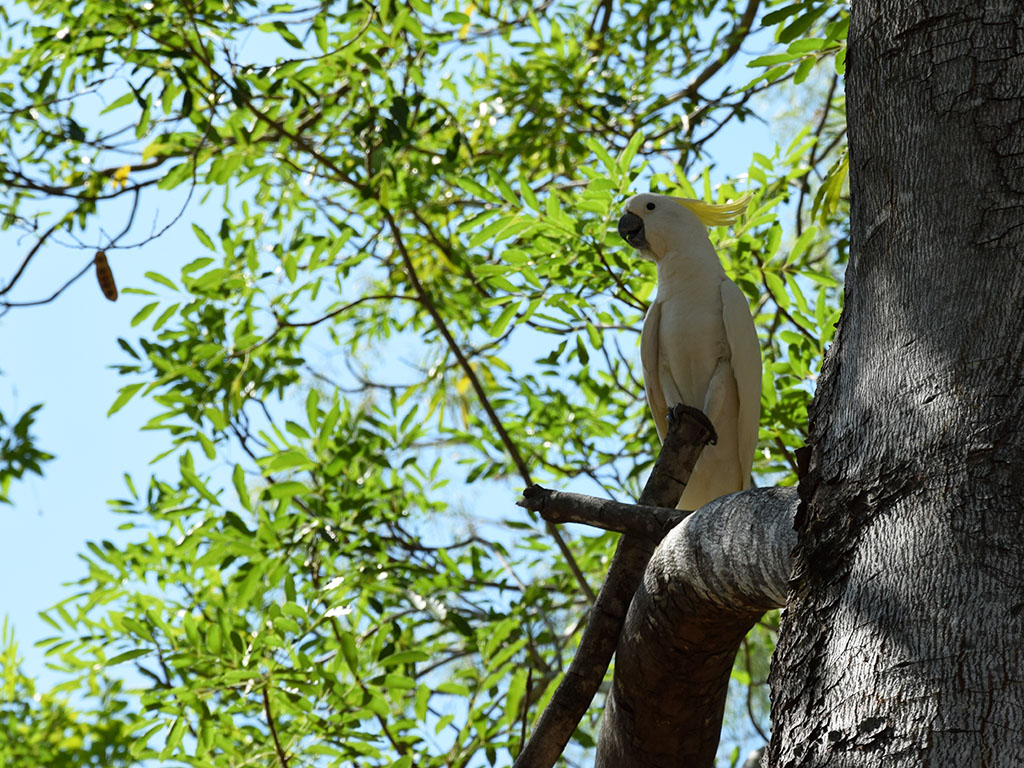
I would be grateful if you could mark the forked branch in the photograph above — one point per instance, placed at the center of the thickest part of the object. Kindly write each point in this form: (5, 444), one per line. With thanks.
(689, 431)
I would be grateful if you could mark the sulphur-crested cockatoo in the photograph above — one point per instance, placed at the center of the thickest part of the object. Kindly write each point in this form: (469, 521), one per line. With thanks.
(698, 345)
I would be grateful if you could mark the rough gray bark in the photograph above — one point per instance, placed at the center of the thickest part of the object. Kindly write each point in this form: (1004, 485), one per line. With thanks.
(901, 644)
(707, 584)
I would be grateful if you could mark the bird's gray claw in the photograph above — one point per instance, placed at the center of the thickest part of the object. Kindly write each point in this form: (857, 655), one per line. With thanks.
(679, 411)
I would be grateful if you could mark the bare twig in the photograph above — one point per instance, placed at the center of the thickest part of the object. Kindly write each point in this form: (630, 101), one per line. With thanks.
(35, 249)
(8, 304)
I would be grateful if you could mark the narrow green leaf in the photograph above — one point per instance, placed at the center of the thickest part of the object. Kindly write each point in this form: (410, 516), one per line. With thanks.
(238, 478)
(289, 460)
(602, 154)
(348, 650)
(802, 23)
(627, 155)
(177, 730)
(190, 477)
(203, 237)
(287, 489)
(123, 396)
(777, 289)
(143, 313)
(126, 656)
(156, 277)
(782, 13)
(403, 657)
(499, 326)
(801, 244)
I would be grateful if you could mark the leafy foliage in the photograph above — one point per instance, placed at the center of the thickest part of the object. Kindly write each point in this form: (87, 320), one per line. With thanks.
(42, 728)
(415, 301)
(18, 451)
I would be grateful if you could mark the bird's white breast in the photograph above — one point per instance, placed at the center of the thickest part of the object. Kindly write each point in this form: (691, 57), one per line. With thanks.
(692, 339)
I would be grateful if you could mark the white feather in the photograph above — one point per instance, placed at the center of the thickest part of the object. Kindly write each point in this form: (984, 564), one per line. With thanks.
(699, 346)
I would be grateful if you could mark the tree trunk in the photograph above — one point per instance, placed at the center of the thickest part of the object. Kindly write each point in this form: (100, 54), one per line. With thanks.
(902, 641)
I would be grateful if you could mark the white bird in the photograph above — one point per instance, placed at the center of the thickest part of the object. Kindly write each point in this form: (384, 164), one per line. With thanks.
(698, 345)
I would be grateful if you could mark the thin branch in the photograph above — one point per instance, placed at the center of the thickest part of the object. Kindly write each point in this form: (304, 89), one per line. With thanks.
(281, 756)
(633, 301)
(481, 393)
(635, 519)
(8, 304)
(750, 693)
(55, 191)
(35, 248)
(736, 37)
(811, 161)
(128, 226)
(788, 456)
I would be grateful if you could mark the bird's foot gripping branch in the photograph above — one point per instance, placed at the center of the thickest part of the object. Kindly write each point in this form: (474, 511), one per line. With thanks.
(687, 587)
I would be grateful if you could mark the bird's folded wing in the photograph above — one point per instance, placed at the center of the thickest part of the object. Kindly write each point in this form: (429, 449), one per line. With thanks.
(649, 351)
(746, 366)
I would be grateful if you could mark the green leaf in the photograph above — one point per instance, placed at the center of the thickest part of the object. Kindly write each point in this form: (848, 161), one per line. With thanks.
(289, 460)
(287, 489)
(777, 288)
(203, 237)
(503, 320)
(472, 187)
(801, 244)
(126, 656)
(123, 396)
(803, 70)
(782, 13)
(802, 23)
(143, 313)
(158, 278)
(238, 479)
(627, 155)
(404, 657)
(348, 650)
(174, 735)
(826, 199)
(192, 479)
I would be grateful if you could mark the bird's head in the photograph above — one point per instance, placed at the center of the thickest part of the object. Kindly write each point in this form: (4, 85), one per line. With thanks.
(653, 224)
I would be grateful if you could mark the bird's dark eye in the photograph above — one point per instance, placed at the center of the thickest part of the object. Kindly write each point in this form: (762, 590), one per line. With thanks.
(650, 206)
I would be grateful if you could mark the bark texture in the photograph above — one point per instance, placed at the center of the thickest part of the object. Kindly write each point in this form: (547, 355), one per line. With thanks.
(707, 584)
(901, 645)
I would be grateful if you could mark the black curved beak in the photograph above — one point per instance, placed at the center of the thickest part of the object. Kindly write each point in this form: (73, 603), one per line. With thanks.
(631, 229)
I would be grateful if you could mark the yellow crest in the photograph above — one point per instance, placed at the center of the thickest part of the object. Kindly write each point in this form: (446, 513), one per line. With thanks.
(712, 215)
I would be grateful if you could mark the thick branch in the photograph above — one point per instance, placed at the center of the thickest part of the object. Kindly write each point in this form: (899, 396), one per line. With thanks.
(562, 507)
(708, 583)
(688, 432)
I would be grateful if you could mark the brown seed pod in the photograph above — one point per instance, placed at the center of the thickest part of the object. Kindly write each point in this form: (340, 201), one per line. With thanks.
(105, 276)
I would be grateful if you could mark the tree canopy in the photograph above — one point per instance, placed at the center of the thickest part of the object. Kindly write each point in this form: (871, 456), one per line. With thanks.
(415, 303)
